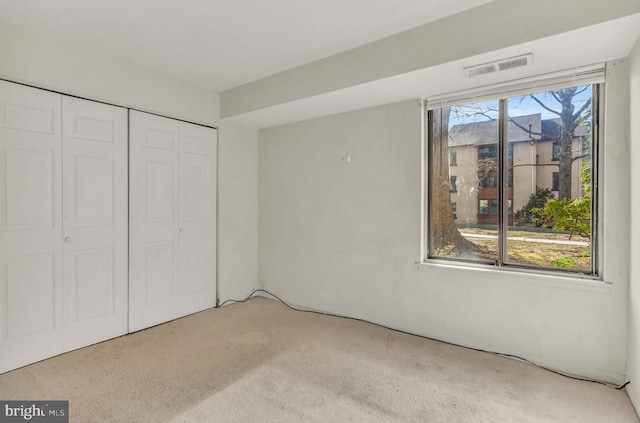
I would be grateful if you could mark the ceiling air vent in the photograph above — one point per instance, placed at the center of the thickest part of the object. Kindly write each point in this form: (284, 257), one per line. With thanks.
(499, 65)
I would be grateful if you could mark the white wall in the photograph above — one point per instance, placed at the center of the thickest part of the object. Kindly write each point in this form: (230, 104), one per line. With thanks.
(237, 212)
(343, 237)
(45, 61)
(633, 364)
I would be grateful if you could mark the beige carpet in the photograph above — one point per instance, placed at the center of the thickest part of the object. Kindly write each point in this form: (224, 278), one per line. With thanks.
(262, 362)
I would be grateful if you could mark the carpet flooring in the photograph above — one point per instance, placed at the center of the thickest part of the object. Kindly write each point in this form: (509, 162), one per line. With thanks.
(262, 362)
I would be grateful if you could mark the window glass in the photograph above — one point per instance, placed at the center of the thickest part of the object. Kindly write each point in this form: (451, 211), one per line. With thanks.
(551, 134)
(555, 155)
(471, 184)
(555, 181)
(454, 184)
(543, 205)
(484, 206)
(453, 157)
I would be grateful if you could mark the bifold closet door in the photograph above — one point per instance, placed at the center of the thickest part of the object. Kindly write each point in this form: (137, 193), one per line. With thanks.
(63, 224)
(30, 225)
(153, 223)
(197, 219)
(172, 219)
(95, 221)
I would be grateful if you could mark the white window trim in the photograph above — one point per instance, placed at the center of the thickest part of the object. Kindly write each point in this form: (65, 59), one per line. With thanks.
(593, 74)
(523, 275)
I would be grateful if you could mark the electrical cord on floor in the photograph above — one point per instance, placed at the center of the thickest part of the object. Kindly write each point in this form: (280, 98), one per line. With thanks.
(515, 357)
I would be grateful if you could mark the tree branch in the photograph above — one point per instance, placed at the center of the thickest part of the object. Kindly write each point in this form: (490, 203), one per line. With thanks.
(583, 156)
(555, 95)
(467, 111)
(544, 106)
(582, 109)
(523, 128)
(582, 90)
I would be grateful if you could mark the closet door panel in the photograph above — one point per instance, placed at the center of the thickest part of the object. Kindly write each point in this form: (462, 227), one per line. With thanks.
(30, 225)
(153, 272)
(197, 218)
(95, 222)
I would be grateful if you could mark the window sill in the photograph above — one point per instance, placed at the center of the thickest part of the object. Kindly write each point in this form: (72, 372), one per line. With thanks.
(526, 276)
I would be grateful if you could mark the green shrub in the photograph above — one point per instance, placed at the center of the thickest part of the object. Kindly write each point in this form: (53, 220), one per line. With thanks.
(572, 216)
(564, 263)
(536, 201)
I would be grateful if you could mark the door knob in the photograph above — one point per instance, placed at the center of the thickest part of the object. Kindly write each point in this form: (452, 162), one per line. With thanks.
(181, 230)
(67, 239)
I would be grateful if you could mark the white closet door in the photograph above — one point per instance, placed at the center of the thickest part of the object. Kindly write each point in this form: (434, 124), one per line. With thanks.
(197, 233)
(172, 219)
(95, 215)
(30, 226)
(153, 233)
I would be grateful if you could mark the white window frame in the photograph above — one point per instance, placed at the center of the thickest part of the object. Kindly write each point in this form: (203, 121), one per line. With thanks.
(588, 75)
